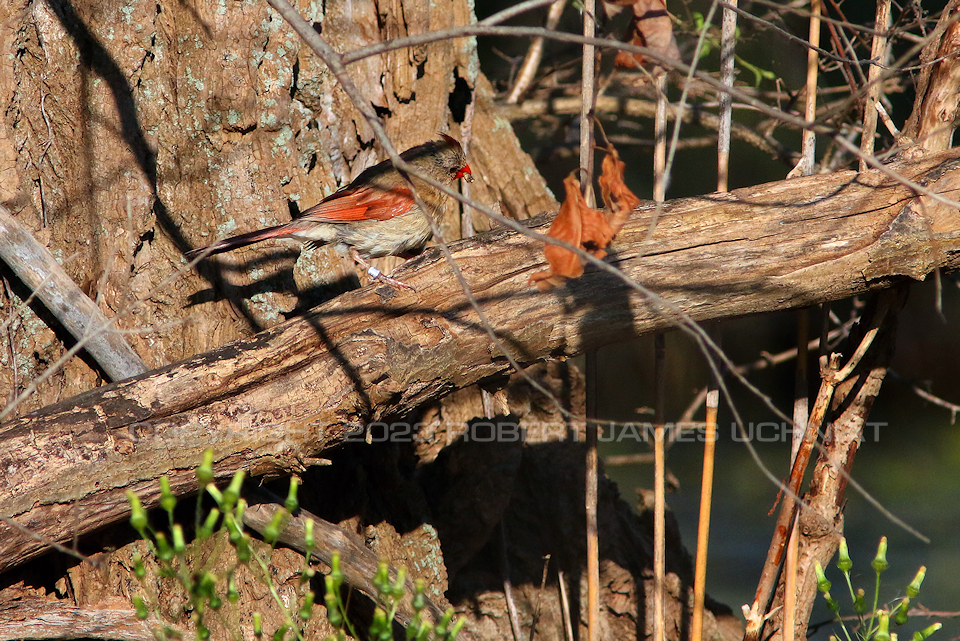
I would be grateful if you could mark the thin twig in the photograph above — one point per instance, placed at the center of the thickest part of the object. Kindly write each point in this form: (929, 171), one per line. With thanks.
(727, 58)
(728, 43)
(543, 588)
(927, 396)
(591, 480)
(790, 583)
(808, 161)
(659, 503)
(800, 403)
(703, 523)
(665, 169)
(565, 605)
(531, 62)
(508, 584)
(878, 52)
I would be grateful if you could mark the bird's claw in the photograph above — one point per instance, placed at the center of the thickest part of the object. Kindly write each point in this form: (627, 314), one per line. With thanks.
(375, 274)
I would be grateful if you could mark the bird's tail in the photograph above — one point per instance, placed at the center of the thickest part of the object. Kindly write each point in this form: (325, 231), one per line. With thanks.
(235, 242)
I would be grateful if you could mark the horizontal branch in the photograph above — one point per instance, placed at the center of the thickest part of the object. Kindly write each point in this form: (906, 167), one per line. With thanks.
(31, 617)
(275, 402)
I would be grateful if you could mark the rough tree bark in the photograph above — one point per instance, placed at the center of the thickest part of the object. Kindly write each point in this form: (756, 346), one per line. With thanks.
(186, 121)
(271, 403)
(134, 131)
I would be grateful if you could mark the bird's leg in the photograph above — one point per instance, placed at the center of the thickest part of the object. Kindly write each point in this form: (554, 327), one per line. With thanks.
(376, 274)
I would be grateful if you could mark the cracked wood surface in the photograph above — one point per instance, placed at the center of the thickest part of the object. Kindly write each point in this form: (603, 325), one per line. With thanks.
(272, 403)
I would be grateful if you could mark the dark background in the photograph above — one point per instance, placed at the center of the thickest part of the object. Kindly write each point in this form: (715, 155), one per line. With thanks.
(911, 466)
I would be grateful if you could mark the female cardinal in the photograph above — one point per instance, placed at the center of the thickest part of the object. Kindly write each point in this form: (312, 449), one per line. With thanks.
(376, 214)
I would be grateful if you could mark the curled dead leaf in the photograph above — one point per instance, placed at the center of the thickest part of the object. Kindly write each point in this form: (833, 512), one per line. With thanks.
(619, 200)
(568, 227)
(585, 227)
(650, 27)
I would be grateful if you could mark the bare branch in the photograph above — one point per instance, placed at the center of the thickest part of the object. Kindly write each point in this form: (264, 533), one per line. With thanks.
(273, 402)
(38, 269)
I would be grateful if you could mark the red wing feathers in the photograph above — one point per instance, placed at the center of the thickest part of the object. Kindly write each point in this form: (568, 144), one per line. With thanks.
(363, 203)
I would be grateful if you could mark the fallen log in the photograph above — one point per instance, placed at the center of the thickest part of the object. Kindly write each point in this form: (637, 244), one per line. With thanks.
(273, 403)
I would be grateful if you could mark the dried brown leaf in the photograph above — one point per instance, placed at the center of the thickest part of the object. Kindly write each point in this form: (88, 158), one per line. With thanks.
(619, 200)
(580, 225)
(585, 227)
(650, 27)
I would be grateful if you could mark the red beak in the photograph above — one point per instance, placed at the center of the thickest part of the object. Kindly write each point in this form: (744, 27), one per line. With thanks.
(465, 173)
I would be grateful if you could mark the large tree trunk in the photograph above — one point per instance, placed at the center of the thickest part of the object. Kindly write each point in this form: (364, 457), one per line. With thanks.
(274, 402)
(133, 133)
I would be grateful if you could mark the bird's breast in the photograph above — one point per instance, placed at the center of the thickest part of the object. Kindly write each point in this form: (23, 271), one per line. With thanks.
(398, 235)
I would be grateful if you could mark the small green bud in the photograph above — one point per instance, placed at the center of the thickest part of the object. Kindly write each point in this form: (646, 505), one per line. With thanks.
(443, 627)
(420, 634)
(883, 626)
(900, 614)
(204, 584)
(879, 562)
(233, 595)
(335, 574)
(291, 503)
(238, 539)
(859, 602)
(232, 494)
(215, 492)
(203, 632)
(823, 585)
(141, 607)
(334, 615)
(139, 570)
(379, 623)
(920, 635)
(271, 533)
(399, 585)
(381, 580)
(206, 528)
(257, 624)
(419, 600)
(307, 575)
(164, 551)
(167, 500)
(281, 632)
(205, 471)
(913, 590)
(456, 628)
(844, 562)
(832, 604)
(241, 506)
(307, 609)
(138, 516)
(233, 530)
(179, 544)
(308, 539)
(244, 552)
